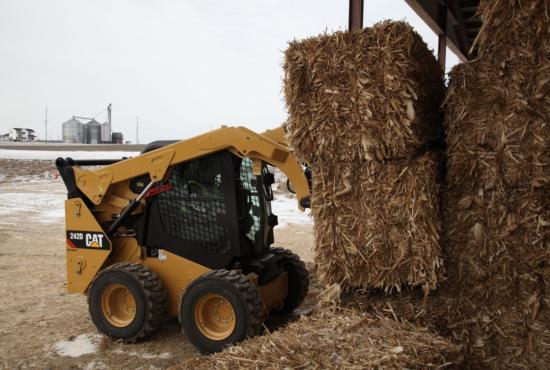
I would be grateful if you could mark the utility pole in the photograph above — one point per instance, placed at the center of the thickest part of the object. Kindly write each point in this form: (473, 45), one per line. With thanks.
(107, 132)
(137, 129)
(46, 124)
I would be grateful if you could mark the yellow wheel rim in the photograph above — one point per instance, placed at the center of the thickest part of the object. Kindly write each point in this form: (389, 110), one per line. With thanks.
(215, 316)
(118, 305)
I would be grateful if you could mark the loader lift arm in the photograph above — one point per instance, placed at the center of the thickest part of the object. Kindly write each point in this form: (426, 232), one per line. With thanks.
(239, 140)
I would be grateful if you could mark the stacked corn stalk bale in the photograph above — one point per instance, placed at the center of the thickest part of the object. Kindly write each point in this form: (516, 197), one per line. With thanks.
(338, 340)
(363, 107)
(376, 224)
(363, 95)
(497, 198)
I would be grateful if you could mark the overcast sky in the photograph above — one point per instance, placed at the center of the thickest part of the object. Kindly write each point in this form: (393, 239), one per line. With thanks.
(182, 66)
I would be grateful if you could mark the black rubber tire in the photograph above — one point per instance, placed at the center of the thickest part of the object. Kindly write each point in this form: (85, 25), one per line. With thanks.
(298, 279)
(148, 292)
(239, 291)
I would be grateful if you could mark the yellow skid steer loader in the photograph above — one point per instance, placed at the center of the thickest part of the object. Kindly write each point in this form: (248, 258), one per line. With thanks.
(184, 229)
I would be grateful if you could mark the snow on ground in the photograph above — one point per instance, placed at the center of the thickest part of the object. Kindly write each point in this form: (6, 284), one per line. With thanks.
(285, 204)
(82, 345)
(96, 365)
(52, 155)
(145, 355)
(40, 200)
(55, 214)
(288, 212)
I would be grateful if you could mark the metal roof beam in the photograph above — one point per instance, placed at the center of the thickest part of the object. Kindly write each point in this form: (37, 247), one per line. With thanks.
(446, 19)
(460, 27)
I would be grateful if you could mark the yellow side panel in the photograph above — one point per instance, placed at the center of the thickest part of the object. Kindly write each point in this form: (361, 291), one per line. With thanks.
(124, 250)
(176, 273)
(83, 263)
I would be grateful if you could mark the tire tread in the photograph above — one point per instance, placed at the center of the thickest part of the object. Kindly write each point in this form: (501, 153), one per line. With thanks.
(155, 295)
(294, 264)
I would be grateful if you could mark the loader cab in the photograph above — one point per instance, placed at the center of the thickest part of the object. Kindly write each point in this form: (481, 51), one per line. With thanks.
(213, 210)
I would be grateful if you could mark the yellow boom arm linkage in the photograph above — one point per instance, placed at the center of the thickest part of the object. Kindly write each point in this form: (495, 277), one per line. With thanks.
(268, 147)
(277, 135)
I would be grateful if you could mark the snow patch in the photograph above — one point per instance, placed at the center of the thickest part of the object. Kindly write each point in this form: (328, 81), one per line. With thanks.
(144, 355)
(162, 356)
(96, 365)
(53, 215)
(82, 345)
(41, 201)
(288, 212)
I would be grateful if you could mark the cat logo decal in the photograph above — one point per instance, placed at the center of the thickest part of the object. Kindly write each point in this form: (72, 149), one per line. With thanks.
(88, 240)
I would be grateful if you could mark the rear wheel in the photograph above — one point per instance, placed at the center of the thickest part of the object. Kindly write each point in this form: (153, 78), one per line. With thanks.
(298, 279)
(127, 301)
(219, 309)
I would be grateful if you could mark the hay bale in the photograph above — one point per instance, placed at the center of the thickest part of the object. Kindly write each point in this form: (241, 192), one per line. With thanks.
(513, 31)
(494, 337)
(347, 339)
(496, 207)
(498, 129)
(498, 106)
(498, 234)
(369, 94)
(377, 224)
(495, 301)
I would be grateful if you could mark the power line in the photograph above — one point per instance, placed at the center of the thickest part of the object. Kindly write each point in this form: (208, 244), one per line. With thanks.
(46, 125)
(104, 109)
(137, 129)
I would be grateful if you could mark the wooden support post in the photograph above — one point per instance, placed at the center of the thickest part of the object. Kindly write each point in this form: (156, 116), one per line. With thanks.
(355, 14)
(442, 51)
(442, 41)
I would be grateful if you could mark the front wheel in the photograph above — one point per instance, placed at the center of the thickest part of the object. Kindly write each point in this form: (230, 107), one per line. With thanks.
(127, 301)
(220, 308)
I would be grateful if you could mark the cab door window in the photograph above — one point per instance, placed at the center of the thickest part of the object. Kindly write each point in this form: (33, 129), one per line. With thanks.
(194, 209)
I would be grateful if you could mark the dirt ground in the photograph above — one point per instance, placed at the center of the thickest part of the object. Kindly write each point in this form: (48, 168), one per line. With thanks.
(36, 313)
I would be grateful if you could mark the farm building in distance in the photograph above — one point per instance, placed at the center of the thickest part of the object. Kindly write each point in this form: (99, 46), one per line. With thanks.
(19, 134)
(117, 138)
(82, 130)
(91, 132)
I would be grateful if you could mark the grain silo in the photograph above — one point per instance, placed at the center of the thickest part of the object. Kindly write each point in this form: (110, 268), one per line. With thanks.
(92, 132)
(73, 131)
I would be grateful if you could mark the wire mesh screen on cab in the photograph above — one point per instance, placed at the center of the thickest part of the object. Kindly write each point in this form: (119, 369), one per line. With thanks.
(251, 201)
(194, 209)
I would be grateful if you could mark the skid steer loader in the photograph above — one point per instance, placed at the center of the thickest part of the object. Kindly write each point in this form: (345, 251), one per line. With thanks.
(184, 229)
